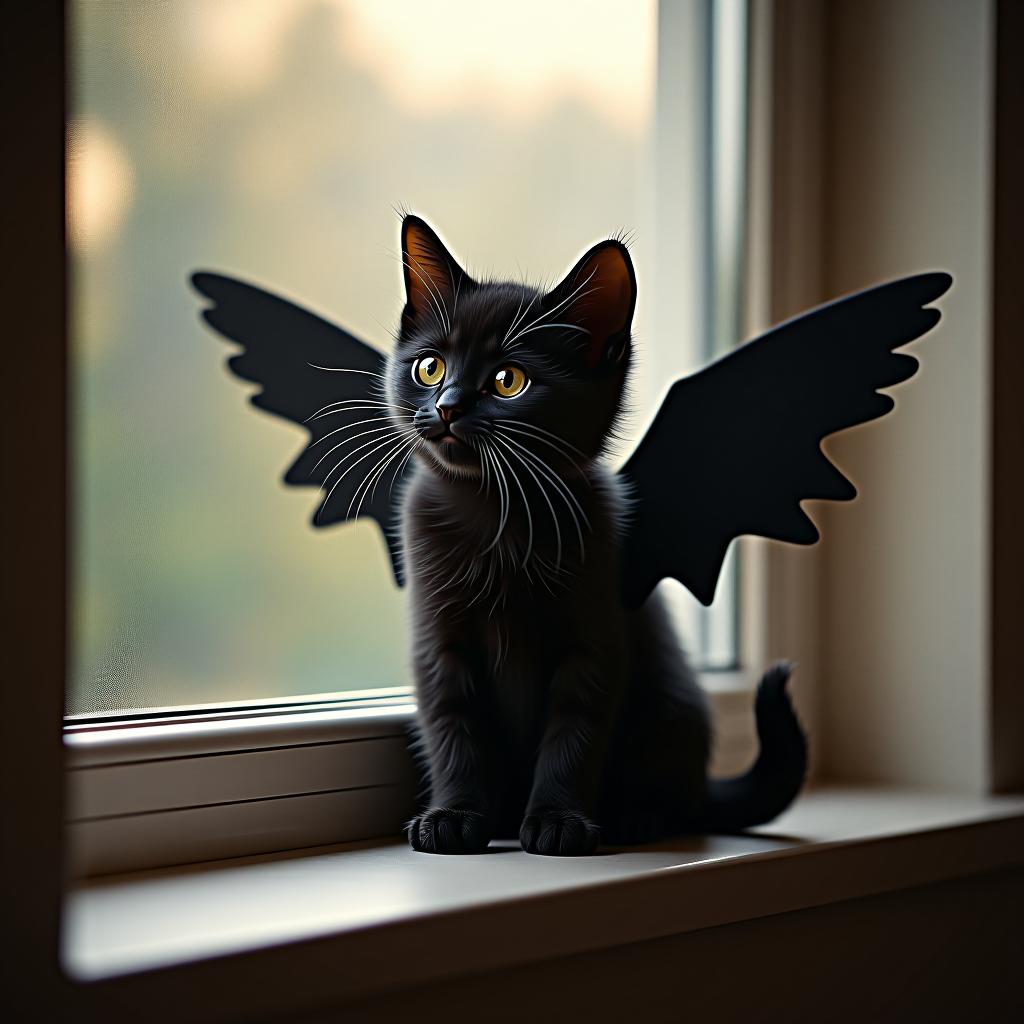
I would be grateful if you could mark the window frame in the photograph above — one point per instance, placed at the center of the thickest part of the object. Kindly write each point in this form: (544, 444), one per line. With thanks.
(183, 786)
(35, 578)
(135, 798)
(35, 582)
(188, 786)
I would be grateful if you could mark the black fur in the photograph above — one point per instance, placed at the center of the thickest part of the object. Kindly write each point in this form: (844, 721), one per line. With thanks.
(547, 710)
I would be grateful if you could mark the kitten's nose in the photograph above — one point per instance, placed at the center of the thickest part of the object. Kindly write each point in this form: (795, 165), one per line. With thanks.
(451, 404)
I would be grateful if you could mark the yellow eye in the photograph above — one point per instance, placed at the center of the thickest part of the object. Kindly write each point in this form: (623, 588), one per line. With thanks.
(510, 381)
(429, 370)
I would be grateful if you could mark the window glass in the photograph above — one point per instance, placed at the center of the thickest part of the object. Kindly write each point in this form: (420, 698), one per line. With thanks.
(273, 140)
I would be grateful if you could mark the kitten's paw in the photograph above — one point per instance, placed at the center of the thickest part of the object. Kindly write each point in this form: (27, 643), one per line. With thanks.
(447, 830)
(559, 833)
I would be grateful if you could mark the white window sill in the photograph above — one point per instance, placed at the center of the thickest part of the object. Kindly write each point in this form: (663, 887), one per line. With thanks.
(347, 921)
(172, 788)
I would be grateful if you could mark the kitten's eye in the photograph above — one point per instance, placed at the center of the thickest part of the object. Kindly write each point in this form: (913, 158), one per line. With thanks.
(428, 371)
(510, 381)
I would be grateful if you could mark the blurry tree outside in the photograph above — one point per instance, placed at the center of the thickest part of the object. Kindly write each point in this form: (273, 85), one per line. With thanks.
(272, 139)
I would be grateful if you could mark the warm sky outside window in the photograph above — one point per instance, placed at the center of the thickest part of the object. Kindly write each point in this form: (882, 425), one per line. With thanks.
(271, 140)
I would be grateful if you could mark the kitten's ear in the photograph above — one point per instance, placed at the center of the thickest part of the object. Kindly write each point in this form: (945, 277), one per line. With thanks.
(599, 296)
(432, 277)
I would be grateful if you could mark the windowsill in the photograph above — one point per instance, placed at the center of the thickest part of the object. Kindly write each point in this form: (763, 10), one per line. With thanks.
(393, 917)
(181, 786)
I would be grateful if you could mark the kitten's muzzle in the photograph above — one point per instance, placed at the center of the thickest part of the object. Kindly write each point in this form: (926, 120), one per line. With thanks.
(452, 403)
(433, 427)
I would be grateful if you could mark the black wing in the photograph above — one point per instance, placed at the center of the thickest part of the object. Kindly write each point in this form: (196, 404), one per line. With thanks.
(320, 377)
(735, 448)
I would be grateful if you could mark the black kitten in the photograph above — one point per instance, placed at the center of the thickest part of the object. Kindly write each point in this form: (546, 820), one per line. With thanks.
(546, 710)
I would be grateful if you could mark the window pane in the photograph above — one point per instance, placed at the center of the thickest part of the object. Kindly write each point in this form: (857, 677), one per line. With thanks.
(271, 140)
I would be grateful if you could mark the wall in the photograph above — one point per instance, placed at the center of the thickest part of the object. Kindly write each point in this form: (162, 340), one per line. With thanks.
(905, 570)
(1006, 712)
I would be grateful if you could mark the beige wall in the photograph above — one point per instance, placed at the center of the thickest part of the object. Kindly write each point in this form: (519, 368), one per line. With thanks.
(903, 671)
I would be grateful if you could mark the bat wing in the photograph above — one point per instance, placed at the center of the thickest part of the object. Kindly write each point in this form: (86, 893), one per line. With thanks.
(319, 376)
(736, 447)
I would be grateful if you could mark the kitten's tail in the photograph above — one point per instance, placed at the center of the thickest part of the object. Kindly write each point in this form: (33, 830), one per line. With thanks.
(773, 782)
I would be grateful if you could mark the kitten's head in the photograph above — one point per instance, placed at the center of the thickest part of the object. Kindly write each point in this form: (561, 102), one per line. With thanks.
(487, 372)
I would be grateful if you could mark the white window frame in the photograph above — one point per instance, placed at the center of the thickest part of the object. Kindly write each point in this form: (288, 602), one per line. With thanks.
(185, 786)
(182, 785)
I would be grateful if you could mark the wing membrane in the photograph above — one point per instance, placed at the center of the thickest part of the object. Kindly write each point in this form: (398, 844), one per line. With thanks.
(736, 447)
(319, 376)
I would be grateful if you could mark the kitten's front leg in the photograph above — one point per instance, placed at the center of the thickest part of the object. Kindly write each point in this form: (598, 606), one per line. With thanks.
(571, 760)
(457, 820)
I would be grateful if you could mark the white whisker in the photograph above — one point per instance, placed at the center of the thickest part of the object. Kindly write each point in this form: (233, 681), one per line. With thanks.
(364, 484)
(527, 425)
(458, 288)
(520, 316)
(526, 506)
(561, 488)
(401, 466)
(346, 369)
(435, 309)
(432, 287)
(554, 309)
(540, 463)
(502, 495)
(554, 447)
(544, 495)
(349, 426)
(545, 327)
(342, 476)
(353, 405)
(375, 474)
(382, 411)
(349, 440)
